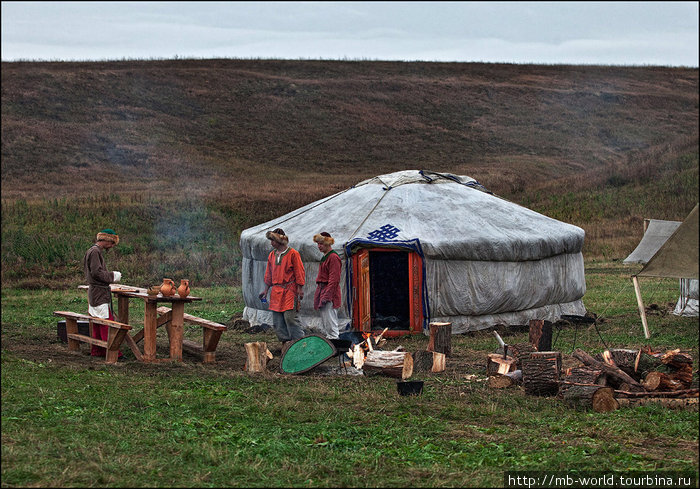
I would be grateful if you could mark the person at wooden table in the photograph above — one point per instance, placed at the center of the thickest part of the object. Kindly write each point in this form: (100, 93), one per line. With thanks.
(286, 277)
(98, 279)
(327, 298)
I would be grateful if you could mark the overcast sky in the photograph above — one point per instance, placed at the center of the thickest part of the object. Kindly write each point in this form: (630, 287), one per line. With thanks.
(610, 33)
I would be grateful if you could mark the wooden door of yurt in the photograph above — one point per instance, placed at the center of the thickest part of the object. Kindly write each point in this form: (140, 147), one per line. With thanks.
(387, 291)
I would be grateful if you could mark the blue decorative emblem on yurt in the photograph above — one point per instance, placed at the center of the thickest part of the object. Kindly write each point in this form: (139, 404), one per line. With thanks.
(385, 233)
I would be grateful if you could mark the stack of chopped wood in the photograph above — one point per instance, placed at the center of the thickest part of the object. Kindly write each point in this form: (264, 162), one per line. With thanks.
(616, 377)
(623, 377)
(399, 363)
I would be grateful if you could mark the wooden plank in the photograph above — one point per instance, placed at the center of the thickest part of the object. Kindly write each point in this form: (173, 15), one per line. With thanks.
(188, 318)
(87, 339)
(192, 345)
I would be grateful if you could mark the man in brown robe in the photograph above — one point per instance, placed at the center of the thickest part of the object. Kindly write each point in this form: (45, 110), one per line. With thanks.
(98, 279)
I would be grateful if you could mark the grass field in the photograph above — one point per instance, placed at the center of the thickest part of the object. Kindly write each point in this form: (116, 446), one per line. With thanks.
(70, 421)
(180, 156)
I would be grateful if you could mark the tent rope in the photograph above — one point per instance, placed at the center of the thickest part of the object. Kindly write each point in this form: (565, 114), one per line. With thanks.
(370, 213)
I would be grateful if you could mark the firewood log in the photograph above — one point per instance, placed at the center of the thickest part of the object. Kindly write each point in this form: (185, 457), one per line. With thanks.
(608, 369)
(541, 373)
(672, 402)
(428, 361)
(501, 381)
(440, 338)
(496, 364)
(257, 356)
(661, 381)
(398, 364)
(599, 398)
(676, 359)
(520, 351)
(540, 334)
(585, 375)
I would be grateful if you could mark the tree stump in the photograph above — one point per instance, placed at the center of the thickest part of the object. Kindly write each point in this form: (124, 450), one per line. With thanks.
(428, 361)
(496, 364)
(257, 356)
(599, 398)
(541, 334)
(440, 338)
(541, 373)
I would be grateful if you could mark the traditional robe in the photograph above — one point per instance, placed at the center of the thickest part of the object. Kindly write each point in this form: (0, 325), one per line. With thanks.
(328, 281)
(283, 274)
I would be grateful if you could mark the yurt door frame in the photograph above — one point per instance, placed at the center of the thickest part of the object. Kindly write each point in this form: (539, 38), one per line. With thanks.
(363, 289)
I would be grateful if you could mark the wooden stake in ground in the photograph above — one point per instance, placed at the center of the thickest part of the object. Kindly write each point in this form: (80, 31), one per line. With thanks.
(599, 398)
(257, 356)
(440, 338)
(541, 334)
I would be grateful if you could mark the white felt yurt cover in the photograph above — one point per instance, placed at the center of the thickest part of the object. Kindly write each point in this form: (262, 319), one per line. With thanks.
(487, 261)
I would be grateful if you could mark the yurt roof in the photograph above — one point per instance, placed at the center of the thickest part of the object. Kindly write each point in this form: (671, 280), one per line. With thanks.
(454, 218)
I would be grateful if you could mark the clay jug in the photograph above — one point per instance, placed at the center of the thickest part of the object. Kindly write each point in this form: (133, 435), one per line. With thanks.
(184, 289)
(167, 288)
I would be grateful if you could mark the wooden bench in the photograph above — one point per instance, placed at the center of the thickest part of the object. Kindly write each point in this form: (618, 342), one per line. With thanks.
(211, 332)
(117, 333)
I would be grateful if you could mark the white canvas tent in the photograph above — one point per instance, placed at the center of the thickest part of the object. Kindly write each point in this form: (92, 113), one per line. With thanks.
(669, 249)
(420, 246)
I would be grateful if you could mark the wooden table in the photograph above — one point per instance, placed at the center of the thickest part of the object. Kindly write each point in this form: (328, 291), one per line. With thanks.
(174, 320)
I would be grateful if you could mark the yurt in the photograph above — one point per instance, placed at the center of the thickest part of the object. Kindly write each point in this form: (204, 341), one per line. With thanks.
(420, 246)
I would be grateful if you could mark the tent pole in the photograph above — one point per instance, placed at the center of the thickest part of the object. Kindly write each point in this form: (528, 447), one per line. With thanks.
(640, 305)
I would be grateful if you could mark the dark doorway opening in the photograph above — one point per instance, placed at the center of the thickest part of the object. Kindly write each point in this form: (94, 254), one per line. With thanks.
(389, 290)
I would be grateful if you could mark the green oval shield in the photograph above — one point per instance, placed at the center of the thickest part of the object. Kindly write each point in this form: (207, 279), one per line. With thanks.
(305, 353)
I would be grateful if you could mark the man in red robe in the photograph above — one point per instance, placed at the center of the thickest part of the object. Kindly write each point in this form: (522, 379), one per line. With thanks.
(285, 277)
(327, 297)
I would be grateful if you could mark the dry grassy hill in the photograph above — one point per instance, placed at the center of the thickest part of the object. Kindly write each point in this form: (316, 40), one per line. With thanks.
(599, 146)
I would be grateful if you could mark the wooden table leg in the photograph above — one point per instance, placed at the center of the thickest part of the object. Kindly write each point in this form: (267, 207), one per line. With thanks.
(177, 331)
(123, 311)
(149, 331)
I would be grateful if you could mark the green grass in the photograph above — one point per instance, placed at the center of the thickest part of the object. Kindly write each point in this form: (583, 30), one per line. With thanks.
(68, 420)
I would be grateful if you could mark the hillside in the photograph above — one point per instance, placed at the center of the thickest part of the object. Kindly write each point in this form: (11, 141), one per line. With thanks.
(241, 141)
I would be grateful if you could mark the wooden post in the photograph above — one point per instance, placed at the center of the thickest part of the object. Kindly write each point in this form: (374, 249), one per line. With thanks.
(257, 356)
(177, 328)
(72, 328)
(149, 331)
(440, 338)
(541, 334)
(640, 305)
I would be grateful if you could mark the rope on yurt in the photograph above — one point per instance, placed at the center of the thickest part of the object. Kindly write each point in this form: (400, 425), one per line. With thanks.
(370, 212)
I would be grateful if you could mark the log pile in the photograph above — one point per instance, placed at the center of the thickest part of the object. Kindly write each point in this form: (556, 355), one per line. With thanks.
(612, 379)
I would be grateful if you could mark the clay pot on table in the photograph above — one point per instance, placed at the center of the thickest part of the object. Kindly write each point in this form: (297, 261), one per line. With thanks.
(167, 288)
(184, 289)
